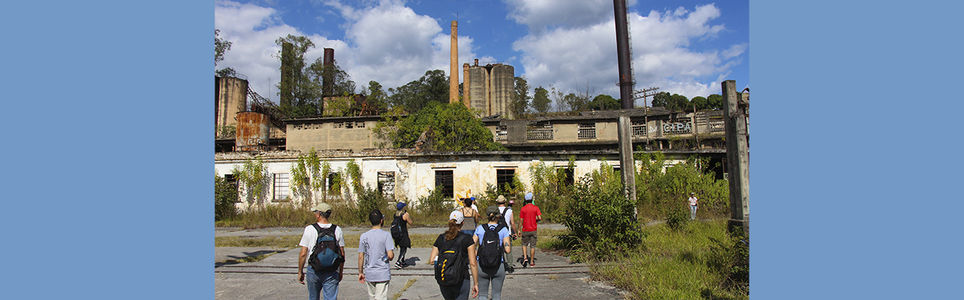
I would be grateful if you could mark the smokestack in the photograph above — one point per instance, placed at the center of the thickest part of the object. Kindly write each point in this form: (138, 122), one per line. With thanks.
(454, 65)
(465, 86)
(622, 51)
(328, 78)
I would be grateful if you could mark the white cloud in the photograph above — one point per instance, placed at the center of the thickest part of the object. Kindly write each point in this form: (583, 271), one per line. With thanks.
(573, 57)
(387, 42)
(542, 15)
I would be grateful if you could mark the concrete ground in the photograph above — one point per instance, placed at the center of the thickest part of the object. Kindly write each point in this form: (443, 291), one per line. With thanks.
(275, 277)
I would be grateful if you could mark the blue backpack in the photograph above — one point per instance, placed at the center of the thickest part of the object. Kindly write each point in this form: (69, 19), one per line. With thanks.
(325, 256)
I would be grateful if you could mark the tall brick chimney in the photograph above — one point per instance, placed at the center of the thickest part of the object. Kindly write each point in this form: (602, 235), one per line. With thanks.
(454, 65)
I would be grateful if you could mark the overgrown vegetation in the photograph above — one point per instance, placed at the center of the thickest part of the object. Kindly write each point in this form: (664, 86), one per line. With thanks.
(662, 195)
(600, 219)
(225, 196)
(254, 181)
(690, 263)
(551, 188)
(307, 177)
(438, 127)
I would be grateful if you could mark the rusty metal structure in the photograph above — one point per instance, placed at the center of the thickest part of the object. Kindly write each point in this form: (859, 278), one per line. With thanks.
(625, 58)
(328, 81)
(253, 131)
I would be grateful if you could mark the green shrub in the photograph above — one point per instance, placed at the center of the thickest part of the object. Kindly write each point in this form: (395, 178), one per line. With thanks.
(677, 216)
(225, 195)
(550, 189)
(660, 193)
(433, 203)
(731, 259)
(600, 219)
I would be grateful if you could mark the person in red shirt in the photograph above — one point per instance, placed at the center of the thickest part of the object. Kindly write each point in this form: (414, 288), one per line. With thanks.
(530, 215)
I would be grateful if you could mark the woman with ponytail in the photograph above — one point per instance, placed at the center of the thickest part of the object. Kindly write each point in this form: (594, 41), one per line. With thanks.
(454, 239)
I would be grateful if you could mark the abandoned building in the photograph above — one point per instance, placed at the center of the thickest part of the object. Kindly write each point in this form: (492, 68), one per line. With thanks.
(489, 88)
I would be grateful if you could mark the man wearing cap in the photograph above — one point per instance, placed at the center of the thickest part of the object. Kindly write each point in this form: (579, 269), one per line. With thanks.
(374, 254)
(507, 221)
(530, 215)
(692, 201)
(319, 282)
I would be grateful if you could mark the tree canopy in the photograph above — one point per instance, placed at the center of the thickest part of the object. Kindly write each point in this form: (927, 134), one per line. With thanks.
(437, 127)
(221, 46)
(413, 96)
(300, 88)
(520, 99)
(604, 102)
(676, 102)
(540, 102)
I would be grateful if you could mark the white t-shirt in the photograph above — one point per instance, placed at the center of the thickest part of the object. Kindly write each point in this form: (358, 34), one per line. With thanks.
(693, 201)
(310, 236)
(507, 214)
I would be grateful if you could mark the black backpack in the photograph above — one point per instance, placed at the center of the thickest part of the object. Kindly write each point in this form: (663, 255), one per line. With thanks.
(502, 222)
(490, 249)
(396, 229)
(325, 256)
(452, 264)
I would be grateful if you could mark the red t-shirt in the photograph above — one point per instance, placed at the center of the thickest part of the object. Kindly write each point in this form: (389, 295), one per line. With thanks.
(528, 214)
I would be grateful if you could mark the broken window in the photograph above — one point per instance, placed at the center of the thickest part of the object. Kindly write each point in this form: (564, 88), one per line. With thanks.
(503, 179)
(639, 129)
(334, 183)
(360, 124)
(280, 186)
(386, 183)
(539, 131)
(587, 131)
(443, 180)
(349, 125)
(567, 174)
(233, 181)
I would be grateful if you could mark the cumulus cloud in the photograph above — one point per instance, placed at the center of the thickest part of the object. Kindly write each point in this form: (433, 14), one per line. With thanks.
(574, 56)
(540, 15)
(385, 41)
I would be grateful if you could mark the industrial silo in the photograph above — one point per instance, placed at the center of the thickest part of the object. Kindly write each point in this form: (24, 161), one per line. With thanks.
(230, 98)
(253, 131)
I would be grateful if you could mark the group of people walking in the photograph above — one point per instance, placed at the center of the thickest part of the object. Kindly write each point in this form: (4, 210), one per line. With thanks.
(471, 258)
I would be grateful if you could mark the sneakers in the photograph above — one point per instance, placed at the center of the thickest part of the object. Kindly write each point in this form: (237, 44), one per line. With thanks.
(399, 265)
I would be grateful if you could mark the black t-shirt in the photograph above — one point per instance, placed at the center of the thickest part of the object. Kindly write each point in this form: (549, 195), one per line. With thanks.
(465, 239)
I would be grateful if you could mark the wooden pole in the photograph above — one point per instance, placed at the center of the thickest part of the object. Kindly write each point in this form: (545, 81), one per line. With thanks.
(737, 155)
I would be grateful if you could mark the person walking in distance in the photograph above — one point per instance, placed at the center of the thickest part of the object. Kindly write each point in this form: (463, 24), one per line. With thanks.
(693, 201)
(374, 255)
(471, 216)
(324, 243)
(530, 215)
(399, 229)
(493, 241)
(451, 255)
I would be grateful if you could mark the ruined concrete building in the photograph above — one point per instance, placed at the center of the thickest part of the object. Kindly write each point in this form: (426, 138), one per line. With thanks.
(489, 88)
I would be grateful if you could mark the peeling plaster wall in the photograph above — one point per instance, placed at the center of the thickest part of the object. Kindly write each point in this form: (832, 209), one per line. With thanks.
(415, 177)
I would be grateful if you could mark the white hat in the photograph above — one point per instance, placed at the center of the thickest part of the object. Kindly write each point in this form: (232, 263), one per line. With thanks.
(457, 216)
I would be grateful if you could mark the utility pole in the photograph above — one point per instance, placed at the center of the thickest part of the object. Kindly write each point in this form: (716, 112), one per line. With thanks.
(626, 82)
(645, 93)
(738, 156)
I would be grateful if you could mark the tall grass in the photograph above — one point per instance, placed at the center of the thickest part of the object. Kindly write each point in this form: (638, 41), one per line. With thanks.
(674, 264)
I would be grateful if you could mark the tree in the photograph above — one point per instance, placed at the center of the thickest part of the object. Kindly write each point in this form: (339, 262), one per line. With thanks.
(678, 102)
(575, 102)
(438, 127)
(342, 85)
(221, 47)
(604, 102)
(376, 96)
(540, 102)
(660, 99)
(699, 102)
(520, 99)
(714, 101)
(413, 96)
(225, 195)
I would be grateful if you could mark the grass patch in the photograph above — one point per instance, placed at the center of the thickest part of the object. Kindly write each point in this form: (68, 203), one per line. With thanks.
(672, 264)
(405, 287)
(287, 215)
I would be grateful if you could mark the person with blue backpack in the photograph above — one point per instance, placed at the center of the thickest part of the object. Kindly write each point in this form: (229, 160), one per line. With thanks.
(323, 247)
(493, 241)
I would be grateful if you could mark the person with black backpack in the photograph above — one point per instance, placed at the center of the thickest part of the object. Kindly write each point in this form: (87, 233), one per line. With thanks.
(493, 241)
(399, 231)
(323, 247)
(451, 255)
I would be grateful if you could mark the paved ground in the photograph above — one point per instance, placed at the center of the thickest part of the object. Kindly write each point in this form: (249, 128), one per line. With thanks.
(279, 231)
(275, 277)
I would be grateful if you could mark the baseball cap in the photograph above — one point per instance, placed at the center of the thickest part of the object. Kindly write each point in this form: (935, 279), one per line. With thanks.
(400, 205)
(528, 195)
(457, 216)
(322, 207)
(692, 193)
(492, 209)
(501, 199)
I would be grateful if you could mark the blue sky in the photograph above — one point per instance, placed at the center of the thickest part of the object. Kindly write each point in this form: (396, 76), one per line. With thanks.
(684, 47)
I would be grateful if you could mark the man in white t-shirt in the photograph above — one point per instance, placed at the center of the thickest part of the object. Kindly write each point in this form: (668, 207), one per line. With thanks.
(319, 282)
(693, 201)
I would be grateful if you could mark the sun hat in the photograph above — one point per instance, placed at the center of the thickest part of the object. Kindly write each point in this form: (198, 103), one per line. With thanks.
(457, 216)
(400, 205)
(321, 207)
(501, 199)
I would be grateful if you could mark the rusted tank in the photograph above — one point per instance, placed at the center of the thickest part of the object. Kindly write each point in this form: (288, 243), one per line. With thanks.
(253, 131)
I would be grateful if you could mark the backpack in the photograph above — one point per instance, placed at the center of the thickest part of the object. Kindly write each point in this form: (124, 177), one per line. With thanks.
(502, 222)
(490, 249)
(325, 256)
(396, 229)
(452, 264)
